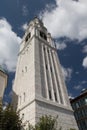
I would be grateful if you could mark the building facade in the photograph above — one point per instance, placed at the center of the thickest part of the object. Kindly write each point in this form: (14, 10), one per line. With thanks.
(3, 83)
(39, 83)
(79, 105)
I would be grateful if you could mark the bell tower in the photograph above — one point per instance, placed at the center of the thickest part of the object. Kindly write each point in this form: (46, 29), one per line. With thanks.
(39, 84)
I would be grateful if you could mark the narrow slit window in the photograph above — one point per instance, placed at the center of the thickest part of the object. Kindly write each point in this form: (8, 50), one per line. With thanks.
(51, 69)
(44, 48)
(45, 37)
(48, 51)
(50, 96)
(27, 37)
(55, 96)
(46, 67)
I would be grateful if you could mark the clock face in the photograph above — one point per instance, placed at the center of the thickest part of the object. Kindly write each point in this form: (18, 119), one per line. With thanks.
(2, 85)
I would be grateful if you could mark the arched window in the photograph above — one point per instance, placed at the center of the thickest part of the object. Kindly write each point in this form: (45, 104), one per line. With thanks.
(27, 37)
(43, 35)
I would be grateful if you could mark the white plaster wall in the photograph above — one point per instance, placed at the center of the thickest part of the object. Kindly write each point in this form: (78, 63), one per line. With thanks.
(25, 76)
(28, 114)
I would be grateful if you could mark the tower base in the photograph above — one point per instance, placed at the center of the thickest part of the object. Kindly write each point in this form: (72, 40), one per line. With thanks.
(38, 108)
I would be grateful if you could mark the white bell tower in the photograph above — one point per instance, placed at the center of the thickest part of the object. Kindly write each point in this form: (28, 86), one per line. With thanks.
(39, 85)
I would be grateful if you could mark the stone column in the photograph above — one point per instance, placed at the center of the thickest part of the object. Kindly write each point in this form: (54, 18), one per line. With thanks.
(54, 77)
(51, 83)
(45, 73)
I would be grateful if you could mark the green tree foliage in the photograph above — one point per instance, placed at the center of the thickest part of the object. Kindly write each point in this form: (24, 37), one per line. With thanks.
(46, 123)
(9, 119)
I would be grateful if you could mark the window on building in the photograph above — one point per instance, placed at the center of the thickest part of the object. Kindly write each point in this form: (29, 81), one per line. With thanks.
(83, 125)
(86, 100)
(46, 66)
(50, 96)
(76, 116)
(77, 104)
(27, 37)
(79, 125)
(51, 69)
(55, 96)
(82, 101)
(48, 51)
(44, 48)
(86, 122)
(43, 35)
(79, 114)
(73, 106)
(85, 111)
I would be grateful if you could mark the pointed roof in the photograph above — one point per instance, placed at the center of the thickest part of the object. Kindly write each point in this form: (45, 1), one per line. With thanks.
(36, 20)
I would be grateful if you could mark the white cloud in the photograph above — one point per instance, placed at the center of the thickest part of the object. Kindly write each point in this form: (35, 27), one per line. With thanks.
(76, 72)
(70, 95)
(9, 46)
(24, 26)
(61, 46)
(68, 18)
(24, 10)
(67, 73)
(78, 87)
(85, 49)
(84, 82)
(85, 62)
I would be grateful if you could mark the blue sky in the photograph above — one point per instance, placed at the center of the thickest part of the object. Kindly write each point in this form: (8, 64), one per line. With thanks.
(66, 20)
